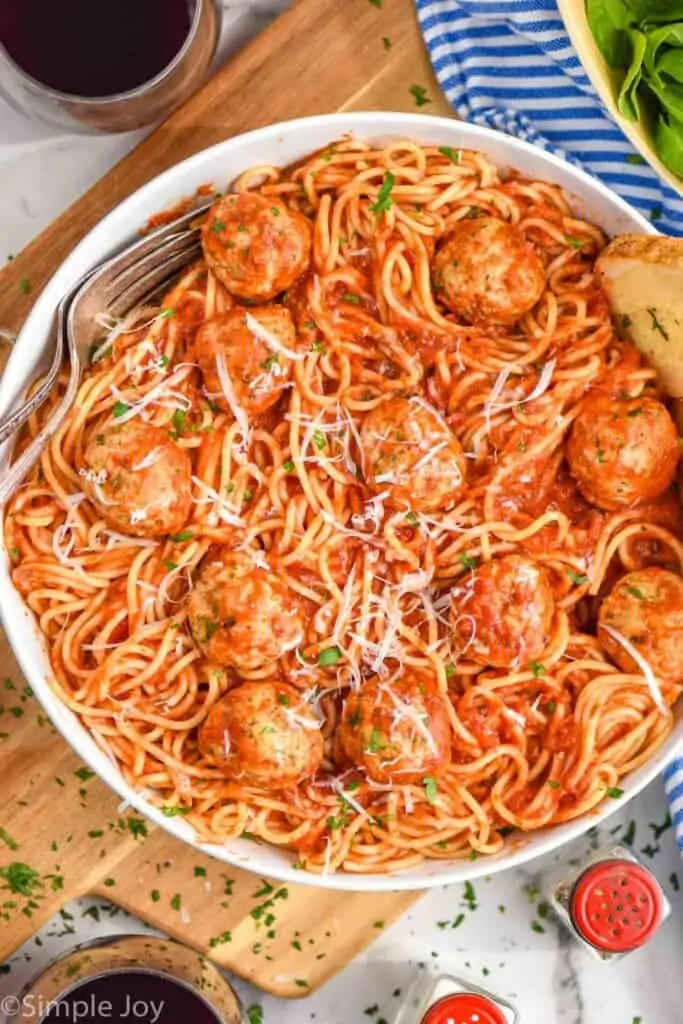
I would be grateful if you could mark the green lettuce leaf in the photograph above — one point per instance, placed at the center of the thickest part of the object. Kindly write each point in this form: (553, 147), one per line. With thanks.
(609, 21)
(669, 144)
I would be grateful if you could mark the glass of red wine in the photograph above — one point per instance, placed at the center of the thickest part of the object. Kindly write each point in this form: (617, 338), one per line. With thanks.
(133, 978)
(104, 65)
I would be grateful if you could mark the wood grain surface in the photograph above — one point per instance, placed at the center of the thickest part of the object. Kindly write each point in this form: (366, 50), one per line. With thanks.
(320, 56)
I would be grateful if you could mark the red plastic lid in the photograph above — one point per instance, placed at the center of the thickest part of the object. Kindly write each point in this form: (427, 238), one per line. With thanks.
(616, 905)
(464, 1008)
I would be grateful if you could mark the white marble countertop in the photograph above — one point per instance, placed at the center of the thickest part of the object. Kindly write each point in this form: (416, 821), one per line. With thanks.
(505, 944)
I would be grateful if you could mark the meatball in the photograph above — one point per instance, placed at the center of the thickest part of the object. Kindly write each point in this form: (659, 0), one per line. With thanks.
(262, 734)
(502, 612)
(409, 452)
(257, 370)
(646, 607)
(256, 247)
(622, 450)
(138, 478)
(398, 731)
(243, 616)
(487, 273)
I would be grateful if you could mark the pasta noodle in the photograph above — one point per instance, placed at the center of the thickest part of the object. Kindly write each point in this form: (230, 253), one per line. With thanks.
(446, 608)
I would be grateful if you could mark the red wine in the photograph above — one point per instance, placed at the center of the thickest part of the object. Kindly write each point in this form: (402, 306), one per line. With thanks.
(94, 48)
(131, 997)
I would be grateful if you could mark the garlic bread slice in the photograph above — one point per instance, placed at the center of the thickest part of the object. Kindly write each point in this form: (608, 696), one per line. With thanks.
(642, 276)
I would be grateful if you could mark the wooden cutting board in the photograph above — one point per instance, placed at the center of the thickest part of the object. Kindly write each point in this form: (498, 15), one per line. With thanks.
(320, 56)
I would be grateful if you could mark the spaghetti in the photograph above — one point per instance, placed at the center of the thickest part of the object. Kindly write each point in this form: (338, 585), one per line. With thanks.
(312, 552)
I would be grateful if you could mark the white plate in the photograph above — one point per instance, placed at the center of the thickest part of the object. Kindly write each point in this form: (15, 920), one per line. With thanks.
(282, 144)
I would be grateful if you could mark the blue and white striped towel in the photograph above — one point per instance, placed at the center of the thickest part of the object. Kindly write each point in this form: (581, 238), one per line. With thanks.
(509, 64)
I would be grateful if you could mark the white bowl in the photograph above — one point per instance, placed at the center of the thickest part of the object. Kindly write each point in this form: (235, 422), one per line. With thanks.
(282, 144)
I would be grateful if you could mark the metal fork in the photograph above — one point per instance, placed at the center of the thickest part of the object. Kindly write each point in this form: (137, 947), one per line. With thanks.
(118, 286)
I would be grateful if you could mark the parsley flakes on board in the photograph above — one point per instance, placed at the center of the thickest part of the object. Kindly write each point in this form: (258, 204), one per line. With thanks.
(419, 94)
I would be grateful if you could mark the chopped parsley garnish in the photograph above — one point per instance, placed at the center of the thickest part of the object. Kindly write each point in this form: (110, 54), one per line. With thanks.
(467, 561)
(386, 42)
(137, 827)
(84, 774)
(659, 830)
(419, 94)
(375, 3)
(155, 895)
(173, 812)
(470, 896)
(384, 201)
(536, 926)
(614, 792)
(350, 297)
(300, 981)
(283, 699)
(638, 411)
(100, 439)
(575, 243)
(176, 901)
(625, 324)
(576, 577)
(450, 670)
(375, 742)
(330, 656)
(180, 537)
(656, 325)
(270, 362)
(431, 789)
(288, 466)
(120, 408)
(634, 592)
(341, 821)
(199, 872)
(275, 210)
(378, 924)
(550, 706)
(168, 564)
(25, 286)
(452, 154)
(412, 519)
(21, 879)
(553, 784)
(317, 346)
(219, 940)
(600, 455)
(538, 669)
(7, 839)
(218, 226)
(319, 439)
(255, 1014)
(179, 421)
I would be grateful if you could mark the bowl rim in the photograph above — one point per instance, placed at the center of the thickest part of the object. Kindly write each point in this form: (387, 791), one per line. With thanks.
(369, 124)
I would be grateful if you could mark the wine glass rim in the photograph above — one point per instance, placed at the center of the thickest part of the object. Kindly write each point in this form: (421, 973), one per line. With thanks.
(128, 94)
